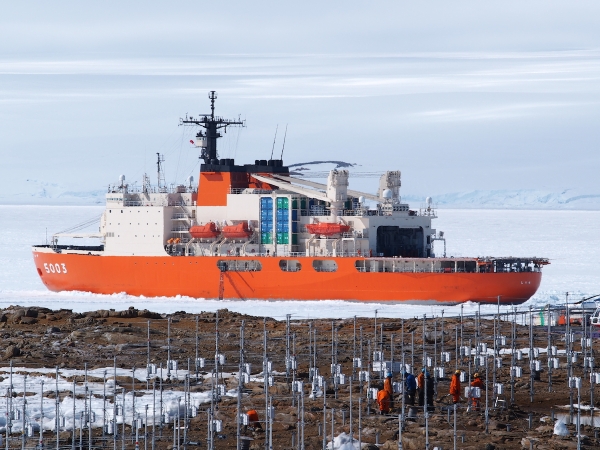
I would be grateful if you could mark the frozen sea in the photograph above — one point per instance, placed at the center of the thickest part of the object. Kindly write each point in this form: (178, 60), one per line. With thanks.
(569, 238)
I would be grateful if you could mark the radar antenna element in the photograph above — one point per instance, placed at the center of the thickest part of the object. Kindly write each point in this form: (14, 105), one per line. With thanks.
(211, 124)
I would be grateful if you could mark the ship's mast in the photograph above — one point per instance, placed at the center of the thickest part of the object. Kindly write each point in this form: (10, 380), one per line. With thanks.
(211, 124)
(159, 170)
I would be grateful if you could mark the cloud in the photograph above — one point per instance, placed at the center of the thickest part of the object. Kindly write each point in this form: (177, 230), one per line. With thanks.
(487, 113)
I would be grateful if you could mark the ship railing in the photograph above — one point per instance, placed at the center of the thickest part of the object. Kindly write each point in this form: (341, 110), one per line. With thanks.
(180, 230)
(346, 254)
(317, 212)
(517, 270)
(143, 203)
(249, 191)
(354, 212)
(179, 203)
(178, 216)
(155, 203)
(428, 212)
(173, 189)
(374, 212)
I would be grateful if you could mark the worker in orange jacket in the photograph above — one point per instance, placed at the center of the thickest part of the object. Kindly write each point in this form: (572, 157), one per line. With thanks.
(477, 383)
(387, 386)
(455, 387)
(253, 419)
(421, 387)
(383, 400)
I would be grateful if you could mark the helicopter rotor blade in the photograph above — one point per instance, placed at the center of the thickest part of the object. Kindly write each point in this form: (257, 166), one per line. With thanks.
(585, 299)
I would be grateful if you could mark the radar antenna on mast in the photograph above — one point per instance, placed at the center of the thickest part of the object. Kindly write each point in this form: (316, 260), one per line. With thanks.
(212, 95)
(211, 124)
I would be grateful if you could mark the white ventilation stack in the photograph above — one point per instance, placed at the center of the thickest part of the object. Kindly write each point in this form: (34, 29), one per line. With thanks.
(337, 191)
(122, 184)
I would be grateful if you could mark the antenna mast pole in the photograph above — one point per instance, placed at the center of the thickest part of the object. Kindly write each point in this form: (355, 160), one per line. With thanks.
(161, 178)
(284, 136)
(212, 95)
(211, 124)
(274, 139)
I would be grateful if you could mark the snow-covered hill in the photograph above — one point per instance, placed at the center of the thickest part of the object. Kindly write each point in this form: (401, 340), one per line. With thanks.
(513, 199)
(36, 192)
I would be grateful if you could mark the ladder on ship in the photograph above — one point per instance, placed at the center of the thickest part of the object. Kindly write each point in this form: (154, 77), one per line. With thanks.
(221, 284)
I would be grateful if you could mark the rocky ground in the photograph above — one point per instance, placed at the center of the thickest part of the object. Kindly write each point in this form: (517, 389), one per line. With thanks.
(39, 337)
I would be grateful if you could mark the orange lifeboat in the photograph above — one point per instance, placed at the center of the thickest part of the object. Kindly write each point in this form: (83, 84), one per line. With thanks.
(207, 231)
(239, 231)
(327, 229)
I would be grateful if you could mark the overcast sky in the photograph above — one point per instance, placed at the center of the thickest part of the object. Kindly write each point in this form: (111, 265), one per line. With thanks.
(458, 95)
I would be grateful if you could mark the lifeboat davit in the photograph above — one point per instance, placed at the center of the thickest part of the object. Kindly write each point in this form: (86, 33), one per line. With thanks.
(327, 229)
(207, 231)
(239, 231)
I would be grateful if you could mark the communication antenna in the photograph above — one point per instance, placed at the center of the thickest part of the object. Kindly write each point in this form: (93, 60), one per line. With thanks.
(159, 169)
(212, 124)
(145, 183)
(274, 139)
(212, 95)
(283, 146)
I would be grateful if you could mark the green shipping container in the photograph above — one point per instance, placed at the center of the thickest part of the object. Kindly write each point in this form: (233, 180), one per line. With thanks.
(265, 238)
(283, 238)
(294, 203)
(303, 203)
(294, 239)
(283, 203)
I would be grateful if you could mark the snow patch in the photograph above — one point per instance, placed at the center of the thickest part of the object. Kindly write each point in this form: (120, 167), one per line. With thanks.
(343, 442)
(560, 428)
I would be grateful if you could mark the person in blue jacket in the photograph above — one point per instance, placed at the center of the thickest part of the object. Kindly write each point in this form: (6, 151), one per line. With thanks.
(410, 385)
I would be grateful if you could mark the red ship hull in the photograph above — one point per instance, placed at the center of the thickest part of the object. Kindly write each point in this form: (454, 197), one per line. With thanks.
(200, 277)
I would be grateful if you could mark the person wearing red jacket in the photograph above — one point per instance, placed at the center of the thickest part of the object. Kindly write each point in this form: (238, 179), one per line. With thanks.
(383, 400)
(253, 420)
(421, 386)
(389, 388)
(455, 387)
(477, 383)
(387, 384)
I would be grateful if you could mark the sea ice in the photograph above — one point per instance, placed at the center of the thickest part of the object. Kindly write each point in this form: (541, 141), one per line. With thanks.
(568, 238)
